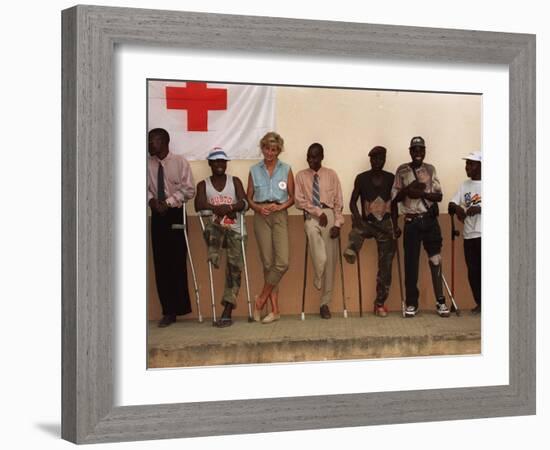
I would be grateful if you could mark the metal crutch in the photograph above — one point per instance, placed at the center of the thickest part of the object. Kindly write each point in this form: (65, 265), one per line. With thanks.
(456, 310)
(250, 318)
(360, 284)
(454, 234)
(195, 284)
(396, 240)
(400, 277)
(342, 277)
(210, 277)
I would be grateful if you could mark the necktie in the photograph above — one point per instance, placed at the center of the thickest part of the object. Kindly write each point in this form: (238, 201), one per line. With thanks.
(161, 195)
(316, 194)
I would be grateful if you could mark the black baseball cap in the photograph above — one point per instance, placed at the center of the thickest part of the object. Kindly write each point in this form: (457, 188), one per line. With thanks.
(417, 141)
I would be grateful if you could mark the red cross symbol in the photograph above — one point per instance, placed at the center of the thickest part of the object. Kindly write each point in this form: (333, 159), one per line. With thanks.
(197, 99)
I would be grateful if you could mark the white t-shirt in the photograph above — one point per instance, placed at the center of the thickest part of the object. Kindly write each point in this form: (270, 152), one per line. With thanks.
(469, 194)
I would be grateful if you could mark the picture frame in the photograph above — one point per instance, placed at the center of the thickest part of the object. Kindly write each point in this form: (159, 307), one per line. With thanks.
(90, 34)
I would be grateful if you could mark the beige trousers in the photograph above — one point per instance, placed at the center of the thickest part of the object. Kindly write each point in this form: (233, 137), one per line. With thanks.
(272, 239)
(323, 251)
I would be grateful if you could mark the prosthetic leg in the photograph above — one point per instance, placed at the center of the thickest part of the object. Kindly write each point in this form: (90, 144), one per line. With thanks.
(195, 284)
(437, 283)
(438, 280)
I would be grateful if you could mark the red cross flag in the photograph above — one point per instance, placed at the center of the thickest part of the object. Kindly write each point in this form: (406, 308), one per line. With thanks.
(200, 116)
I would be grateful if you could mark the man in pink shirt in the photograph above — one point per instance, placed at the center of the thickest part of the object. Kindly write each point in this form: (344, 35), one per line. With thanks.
(319, 194)
(169, 185)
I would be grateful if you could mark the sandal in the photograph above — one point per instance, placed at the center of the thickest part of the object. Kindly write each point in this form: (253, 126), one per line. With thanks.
(380, 310)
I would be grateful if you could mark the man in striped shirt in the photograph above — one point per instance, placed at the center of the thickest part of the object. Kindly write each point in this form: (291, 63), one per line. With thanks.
(319, 194)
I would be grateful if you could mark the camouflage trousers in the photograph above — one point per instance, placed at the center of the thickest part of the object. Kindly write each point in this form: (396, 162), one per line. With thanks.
(382, 231)
(218, 238)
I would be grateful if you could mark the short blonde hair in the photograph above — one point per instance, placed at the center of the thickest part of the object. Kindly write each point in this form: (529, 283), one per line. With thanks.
(272, 138)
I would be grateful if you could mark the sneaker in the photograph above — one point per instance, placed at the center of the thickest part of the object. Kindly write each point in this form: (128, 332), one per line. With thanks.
(442, 310)
(410, 311)
(270, 318)
(380, 310)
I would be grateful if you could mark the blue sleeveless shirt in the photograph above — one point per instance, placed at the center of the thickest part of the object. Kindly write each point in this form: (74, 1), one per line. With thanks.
(270, 189)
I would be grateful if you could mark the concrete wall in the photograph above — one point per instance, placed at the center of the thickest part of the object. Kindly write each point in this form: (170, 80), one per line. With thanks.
(349, 123)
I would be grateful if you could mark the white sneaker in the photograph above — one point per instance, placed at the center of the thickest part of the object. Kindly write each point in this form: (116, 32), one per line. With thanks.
(271, 318)
(410, 311)
(442, 310)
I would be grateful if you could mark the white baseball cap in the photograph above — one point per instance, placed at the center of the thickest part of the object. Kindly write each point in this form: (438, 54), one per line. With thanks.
(473, 156)
(217, 153)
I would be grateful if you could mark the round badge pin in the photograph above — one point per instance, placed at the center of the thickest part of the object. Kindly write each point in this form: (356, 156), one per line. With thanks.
(282, 185)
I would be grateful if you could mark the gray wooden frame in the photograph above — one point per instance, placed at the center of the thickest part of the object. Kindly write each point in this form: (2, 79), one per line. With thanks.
(89, 36)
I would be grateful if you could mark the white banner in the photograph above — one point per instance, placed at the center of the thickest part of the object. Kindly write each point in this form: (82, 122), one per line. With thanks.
(200, 116)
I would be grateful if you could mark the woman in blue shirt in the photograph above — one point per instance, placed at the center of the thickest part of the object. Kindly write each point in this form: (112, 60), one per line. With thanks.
(270, 193)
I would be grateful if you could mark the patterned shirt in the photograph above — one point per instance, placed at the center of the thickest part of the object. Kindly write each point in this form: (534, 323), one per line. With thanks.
(375, 199)
(405, 176)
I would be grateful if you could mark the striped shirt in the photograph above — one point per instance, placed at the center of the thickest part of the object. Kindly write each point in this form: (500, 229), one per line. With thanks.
(330, 192)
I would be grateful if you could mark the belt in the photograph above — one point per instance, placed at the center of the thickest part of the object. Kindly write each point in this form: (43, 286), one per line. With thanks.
(414, 216)
(268, 203)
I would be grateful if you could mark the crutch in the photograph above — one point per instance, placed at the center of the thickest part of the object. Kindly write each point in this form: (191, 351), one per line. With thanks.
(305, 281)
(400, 277)
(250, 318)
(360, 284)
(342, 277)
(454, 234)
(195, 284)
(456, 310)
(397, 253)
(210, 277)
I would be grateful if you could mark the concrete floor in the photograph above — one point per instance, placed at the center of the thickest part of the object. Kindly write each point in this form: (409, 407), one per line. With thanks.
(189, 343)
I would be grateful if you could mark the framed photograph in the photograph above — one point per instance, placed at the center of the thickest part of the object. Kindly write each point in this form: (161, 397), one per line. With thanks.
(357, 120)
(103, 74)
